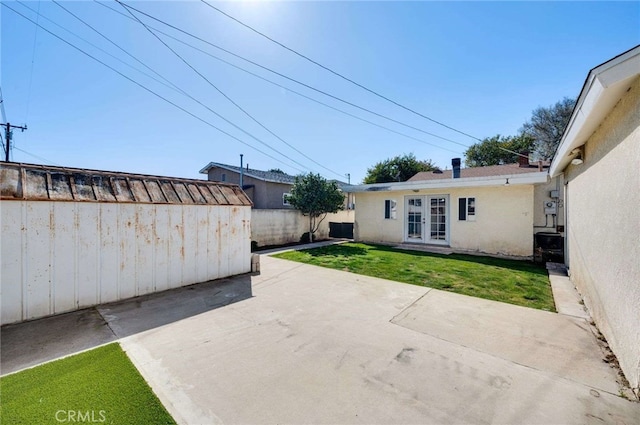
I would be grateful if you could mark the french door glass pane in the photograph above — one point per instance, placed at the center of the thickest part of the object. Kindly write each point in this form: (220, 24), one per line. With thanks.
(438, 220)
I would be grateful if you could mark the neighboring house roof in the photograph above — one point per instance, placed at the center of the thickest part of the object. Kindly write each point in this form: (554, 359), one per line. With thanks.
(604, 87)
(490, 171)
(345, 187)
(48, 183)
(267, 176)
(497, 175)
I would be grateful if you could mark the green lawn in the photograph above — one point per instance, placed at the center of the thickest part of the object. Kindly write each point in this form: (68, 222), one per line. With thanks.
(97, 386)
(515, 282)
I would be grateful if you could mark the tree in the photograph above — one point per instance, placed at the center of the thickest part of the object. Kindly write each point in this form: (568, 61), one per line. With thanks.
(314, 196)
(277, 170)
(547, 125)
(491, 151)
(397, 169)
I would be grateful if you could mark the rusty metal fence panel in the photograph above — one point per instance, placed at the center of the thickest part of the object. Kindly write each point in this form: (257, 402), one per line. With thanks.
(73, 238)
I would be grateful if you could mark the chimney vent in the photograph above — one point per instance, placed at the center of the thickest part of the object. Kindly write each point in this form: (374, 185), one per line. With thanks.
(523, 159)
(455, 164)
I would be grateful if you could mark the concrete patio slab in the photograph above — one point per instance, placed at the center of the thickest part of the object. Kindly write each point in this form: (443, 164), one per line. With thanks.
(139, 314)
(561, 345)
(316, 345)
(31, 343)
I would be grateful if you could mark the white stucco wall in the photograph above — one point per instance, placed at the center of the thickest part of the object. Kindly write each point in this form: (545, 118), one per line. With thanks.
(604, 230)
(63, 256)
(541, 194)
(503, 224)
(279, 227)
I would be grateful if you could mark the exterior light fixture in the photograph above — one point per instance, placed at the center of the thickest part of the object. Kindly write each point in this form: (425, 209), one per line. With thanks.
(577, 160)
(507, 182)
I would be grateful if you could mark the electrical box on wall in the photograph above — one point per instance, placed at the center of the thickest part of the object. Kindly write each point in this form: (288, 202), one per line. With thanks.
(550, 207)
(554, 194)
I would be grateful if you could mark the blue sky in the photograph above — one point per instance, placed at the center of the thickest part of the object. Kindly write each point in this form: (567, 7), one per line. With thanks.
(480, 67)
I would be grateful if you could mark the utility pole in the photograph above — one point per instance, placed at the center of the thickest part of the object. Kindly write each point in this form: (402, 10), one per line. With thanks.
(7, 134)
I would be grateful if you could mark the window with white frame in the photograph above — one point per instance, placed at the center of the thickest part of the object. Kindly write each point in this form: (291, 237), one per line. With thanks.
(285, 199)
(390, 209)
(467, 209)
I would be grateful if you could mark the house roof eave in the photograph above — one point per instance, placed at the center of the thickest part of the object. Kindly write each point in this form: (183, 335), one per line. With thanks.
(514, 179)
(603, 88)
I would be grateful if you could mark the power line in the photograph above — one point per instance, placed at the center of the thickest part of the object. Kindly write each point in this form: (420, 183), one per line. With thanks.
(99, 48)
(45, 160)
(171, 86)
(288, 89)
(33, 58)
(146, 88)
(226, 96)
(337, 73)
(284, 87)
(114, 43)
(280, 74)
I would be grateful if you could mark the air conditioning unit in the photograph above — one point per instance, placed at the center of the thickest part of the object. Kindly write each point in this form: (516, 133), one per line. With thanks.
(550, 207)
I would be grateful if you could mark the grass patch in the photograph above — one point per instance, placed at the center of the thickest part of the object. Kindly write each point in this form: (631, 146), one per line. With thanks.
(100, 386)
(511, 281)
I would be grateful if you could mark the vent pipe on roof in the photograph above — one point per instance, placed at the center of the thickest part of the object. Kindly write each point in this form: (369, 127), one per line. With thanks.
(455, 164)
(241, 172)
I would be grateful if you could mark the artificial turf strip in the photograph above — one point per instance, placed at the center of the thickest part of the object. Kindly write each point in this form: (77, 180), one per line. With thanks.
(511, 281)
(97, 386)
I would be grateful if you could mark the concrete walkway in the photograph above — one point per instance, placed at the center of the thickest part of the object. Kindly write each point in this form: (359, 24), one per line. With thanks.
(313, 345)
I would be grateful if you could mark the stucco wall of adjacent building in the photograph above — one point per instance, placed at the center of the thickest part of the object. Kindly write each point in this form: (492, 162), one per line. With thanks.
(541, 194)
(503, 222)
(273, 193)
(603, 206)
(263, 194)
(278, 227)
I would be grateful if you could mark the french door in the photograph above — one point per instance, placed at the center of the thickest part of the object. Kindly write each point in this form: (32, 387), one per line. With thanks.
(427, 219)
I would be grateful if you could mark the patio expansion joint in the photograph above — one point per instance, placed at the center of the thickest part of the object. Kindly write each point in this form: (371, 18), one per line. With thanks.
(404, 310)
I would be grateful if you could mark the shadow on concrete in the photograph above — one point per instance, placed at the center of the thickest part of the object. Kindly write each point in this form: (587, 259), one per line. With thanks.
(140, 314)
(27, 344)
(30, 343)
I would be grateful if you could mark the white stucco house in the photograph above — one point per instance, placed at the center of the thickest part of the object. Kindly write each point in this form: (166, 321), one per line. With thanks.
(493, 210)
(599, 159)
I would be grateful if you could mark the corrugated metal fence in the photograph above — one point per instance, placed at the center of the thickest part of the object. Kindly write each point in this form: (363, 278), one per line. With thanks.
(70, 245)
